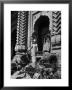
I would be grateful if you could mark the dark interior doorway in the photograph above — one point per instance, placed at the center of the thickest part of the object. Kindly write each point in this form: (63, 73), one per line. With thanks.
(13, 42)
(14, 15)
(41, 28)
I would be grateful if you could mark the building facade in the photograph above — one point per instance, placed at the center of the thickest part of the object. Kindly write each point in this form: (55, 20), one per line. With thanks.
(28, 23)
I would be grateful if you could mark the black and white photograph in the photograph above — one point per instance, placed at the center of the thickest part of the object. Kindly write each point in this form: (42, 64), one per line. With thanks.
(35, 44)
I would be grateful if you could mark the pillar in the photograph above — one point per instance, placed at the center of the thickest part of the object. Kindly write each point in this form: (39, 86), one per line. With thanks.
(22, 30)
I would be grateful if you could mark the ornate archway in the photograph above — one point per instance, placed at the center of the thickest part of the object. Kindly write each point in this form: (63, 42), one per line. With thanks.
(41, 28)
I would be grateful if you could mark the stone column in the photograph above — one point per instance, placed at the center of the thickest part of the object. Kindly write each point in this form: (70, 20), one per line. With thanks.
(21, 38)
(22, 30)
(29, 30)
(56, 16)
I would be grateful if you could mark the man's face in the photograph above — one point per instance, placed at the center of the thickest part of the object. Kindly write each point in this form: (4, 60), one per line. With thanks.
(46, 54)
(47, 39)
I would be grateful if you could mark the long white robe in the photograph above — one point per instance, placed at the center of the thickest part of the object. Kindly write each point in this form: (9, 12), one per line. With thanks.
(46, 45)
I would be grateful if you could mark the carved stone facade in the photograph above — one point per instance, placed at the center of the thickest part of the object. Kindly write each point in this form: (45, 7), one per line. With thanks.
(54, 26)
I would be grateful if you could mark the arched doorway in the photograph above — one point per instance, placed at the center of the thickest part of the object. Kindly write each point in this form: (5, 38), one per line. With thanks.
(41, 28)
